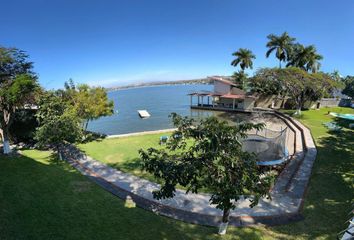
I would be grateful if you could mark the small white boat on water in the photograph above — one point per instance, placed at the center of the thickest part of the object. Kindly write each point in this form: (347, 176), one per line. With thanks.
(144, 113)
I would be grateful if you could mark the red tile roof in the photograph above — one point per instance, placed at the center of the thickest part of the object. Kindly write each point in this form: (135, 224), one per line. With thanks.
(223, 80)
(234, 96)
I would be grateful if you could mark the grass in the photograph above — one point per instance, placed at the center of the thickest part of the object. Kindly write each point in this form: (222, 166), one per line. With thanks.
(122, 153)
(42, 198)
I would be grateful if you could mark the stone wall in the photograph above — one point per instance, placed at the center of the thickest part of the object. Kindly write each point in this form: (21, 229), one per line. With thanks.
(270, 101)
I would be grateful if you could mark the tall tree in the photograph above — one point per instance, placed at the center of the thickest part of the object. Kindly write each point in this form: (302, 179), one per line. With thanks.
(298, 84)
(208, 155)
(336, 76)
(92, 103)
(281, 45)
(18, 86)
(89, 102)
(349, 86)
(305, 58)
(244, 58)
(240, 79)
(58, 122)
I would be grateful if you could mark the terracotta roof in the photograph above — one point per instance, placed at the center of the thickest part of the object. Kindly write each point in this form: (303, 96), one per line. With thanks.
(233, 96)
(223, 80)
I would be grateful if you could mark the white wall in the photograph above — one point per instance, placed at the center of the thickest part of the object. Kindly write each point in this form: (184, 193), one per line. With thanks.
(237, 91)
(221, 87)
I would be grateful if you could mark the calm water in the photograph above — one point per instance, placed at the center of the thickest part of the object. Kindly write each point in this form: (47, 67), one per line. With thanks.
(159, 101)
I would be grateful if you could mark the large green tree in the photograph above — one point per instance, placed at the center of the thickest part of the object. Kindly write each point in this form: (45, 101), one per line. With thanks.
(349, 86)
(240, 79)
(244, 59)
(58, 122)
(208, 155)
(305, 58)
(18, 85)
(298, 84)
(90, 103)
(282, 45)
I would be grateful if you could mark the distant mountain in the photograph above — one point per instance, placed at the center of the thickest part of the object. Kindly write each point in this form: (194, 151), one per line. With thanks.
(158, 83)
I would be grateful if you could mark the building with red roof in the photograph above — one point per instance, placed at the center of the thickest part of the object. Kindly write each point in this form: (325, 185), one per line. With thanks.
(225, 95)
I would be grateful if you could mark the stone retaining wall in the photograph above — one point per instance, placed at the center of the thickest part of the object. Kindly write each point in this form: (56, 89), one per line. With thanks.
(287, 194)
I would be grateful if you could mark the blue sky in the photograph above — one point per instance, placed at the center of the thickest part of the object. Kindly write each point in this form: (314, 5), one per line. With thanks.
(110, 42)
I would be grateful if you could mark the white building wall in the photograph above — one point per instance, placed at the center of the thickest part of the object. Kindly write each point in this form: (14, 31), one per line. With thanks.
(222, 88)
(237, 91)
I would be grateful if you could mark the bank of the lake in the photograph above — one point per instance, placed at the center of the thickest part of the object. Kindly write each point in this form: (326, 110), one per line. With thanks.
(159, 101)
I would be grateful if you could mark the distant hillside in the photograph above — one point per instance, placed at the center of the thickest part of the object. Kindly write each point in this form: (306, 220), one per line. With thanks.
(158, 83)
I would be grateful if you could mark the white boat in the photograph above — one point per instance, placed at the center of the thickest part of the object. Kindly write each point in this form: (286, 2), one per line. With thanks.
(144, 113)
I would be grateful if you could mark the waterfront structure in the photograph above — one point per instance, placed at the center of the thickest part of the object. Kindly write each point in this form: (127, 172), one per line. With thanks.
(225, 95)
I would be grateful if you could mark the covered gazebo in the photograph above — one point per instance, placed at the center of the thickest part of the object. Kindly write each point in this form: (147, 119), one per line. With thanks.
(201, 95)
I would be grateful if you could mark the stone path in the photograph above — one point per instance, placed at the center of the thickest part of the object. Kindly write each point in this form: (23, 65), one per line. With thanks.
(285, 205)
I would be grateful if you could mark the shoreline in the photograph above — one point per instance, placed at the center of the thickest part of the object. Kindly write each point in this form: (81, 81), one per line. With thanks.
(112, 89)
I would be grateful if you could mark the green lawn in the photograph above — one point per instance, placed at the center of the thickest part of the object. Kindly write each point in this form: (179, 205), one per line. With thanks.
(41, 198)
(122, 153)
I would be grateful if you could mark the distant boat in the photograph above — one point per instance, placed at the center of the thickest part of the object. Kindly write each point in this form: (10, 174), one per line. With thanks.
(144, 113)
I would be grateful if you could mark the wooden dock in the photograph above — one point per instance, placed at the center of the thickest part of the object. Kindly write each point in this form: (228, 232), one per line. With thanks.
(143, 113)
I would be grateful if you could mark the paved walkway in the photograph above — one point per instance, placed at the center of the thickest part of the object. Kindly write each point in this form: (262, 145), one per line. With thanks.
(285, 205)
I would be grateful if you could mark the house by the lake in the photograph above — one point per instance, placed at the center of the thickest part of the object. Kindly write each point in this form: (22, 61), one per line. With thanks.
(225, 95)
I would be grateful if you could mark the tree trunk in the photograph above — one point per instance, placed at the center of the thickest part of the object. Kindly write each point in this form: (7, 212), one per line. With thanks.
(5, 139)
(282, 103)
(86, 125)
(225, 216)
(59, 153)
(279, 63)
(6, 120)
(298, 110)
(225, 222)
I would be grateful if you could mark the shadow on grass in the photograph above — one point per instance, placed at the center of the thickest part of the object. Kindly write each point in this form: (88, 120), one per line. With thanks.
(330, 192)
(343, 123)
(93, 136)
(44, 198)
(48, 199)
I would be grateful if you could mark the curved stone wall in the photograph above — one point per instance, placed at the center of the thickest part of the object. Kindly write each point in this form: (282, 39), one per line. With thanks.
(287, 194)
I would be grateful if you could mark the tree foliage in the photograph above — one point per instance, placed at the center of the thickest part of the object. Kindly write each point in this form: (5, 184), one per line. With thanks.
(244, 58)
(240, 78)
(208, 155)
(305, 58)
(13, 62)
(300, 85)
(282, 45)
(89, 102)
(59, 123)
(92, 103)
(349, 86)
(18, 87)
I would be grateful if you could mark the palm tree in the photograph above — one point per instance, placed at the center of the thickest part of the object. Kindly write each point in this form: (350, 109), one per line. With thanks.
(335, 75)
(240, 79)
(281, 44)
(306, 58)
(313, 59)
(243, 58)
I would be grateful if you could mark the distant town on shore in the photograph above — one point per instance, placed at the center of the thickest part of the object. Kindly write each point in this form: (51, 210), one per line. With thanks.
(159, 83)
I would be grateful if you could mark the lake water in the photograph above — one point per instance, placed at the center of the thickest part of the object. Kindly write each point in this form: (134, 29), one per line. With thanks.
(159, 101)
